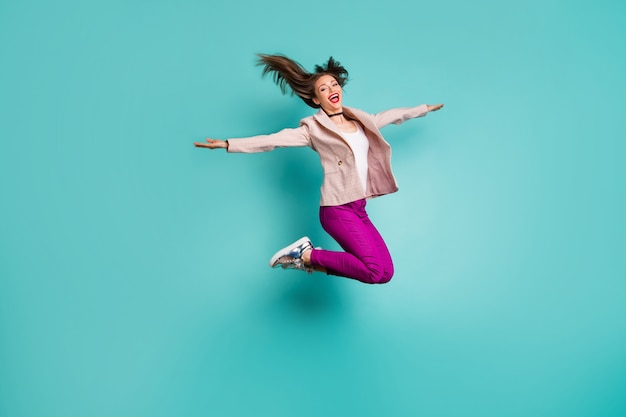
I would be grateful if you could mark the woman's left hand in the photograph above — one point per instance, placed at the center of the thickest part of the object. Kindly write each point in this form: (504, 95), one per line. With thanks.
(434, 107)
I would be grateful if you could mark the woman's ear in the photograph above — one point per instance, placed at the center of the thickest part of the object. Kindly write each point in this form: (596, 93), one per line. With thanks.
(316, 101)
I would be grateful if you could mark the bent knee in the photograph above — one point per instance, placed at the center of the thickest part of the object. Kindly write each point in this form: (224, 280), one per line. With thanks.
(380, 277)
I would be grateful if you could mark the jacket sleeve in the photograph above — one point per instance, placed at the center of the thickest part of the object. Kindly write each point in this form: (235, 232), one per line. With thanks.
(399, 115)
(265, 143)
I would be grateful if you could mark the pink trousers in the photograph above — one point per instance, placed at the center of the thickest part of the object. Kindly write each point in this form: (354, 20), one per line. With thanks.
(366, 257)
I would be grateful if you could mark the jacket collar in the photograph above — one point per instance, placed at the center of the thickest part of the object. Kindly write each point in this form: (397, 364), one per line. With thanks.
(353, 114)
(325, 121)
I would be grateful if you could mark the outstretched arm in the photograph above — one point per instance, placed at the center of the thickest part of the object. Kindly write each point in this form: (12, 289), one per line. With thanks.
(262, 143)
(212, 144)
(401, 115)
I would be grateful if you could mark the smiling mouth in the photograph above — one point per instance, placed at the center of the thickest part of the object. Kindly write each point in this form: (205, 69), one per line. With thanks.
(334, 98)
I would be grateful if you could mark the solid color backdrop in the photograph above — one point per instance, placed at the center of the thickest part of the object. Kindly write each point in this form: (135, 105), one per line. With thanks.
(133, 266)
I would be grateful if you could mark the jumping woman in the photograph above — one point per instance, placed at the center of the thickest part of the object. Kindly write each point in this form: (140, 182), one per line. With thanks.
(357, 166)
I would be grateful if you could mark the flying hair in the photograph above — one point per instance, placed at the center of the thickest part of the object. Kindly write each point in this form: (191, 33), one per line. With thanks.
(287, 72)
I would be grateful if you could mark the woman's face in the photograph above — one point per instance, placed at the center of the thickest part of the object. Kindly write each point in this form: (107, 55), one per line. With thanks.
(328, 94)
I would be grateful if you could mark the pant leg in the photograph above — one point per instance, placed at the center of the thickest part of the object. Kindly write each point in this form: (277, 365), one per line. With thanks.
(366, 257)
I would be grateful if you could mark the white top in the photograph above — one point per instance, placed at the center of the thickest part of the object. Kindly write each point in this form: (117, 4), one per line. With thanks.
(360, 147)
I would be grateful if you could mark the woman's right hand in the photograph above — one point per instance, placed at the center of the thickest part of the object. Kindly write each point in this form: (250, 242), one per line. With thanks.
(212, 144)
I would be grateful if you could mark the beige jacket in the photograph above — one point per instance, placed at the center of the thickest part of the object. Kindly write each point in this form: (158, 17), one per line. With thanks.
(341, 183)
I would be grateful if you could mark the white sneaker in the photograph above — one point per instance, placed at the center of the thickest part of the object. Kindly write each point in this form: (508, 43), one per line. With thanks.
(291, 256)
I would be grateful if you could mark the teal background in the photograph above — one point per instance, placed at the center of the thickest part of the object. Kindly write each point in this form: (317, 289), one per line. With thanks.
(133, 267)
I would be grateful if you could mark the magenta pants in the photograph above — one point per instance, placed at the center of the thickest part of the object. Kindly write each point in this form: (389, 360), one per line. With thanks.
(366, 257)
